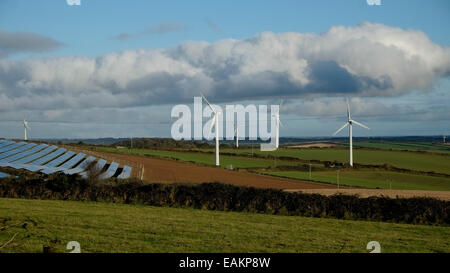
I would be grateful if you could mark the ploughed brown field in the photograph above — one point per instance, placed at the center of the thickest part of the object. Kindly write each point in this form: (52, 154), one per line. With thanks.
(171, 171)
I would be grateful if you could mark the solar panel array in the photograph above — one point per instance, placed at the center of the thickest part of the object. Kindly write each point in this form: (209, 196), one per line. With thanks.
(52, 159)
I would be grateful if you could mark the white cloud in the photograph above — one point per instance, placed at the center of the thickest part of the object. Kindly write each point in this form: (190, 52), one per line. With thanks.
(25, 42)
(153, 30)
(364, 60)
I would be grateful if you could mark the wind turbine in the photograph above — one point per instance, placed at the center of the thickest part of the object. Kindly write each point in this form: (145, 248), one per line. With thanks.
(25, 127)
(236, 133)
(216, 124)
(277, 126)
(349, 123)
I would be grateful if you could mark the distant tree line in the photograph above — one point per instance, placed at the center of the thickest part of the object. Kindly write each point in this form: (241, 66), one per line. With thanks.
(160, 143)
(216, 196)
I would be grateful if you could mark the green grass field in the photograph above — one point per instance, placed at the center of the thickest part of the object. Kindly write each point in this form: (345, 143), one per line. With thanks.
(411, 146)
(407, 160)
(107, 227)
(372, 179)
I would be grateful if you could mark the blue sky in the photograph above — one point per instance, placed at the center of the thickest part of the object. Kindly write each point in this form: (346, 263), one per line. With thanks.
(87, 29)
(93, 29)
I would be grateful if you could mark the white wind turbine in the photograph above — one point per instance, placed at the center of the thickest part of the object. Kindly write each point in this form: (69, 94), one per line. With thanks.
(277, 126)
(25, 127)
(349, 123)
(216, 124)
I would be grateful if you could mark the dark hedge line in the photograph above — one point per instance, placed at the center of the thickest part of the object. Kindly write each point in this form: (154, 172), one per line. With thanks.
(216, 196)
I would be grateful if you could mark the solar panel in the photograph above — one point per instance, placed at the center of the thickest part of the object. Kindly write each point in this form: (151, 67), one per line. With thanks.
(30, 156)
(16, 151)
(4, 175)
(72, 162)
(82, 166)
(37, 164)
(67, 165)
(60, 159)
(20, 164)
(126, 172)
(99, 166)
(15, 157)
(110, 171)
(6, 143)
(7, 146)
(37, 155)
(49, 157)
(11, 147)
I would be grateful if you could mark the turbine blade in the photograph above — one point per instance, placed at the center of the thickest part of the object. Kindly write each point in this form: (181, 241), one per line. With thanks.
(340, 129)
(209, 104)
(348, 110)
(25, 124)
(281, 103)
(279, 121)
(212, 125)
(360, 124)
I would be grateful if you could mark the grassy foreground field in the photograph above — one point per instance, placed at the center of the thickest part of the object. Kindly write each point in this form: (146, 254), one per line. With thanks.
(107, 227)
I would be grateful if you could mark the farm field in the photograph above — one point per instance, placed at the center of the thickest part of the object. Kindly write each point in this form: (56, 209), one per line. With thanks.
(411, 146)
(365, 178)
(171, 171)
(207, 159)
(407, 160)
(108, 227)
(372, 179)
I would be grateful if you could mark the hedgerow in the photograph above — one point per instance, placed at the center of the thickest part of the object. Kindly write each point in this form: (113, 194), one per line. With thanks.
(224, 197)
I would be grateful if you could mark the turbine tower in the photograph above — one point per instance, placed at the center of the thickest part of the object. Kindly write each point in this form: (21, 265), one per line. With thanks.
(216, 124)
(25, 127)
(277, 126)
(349, 123)
(236, 133)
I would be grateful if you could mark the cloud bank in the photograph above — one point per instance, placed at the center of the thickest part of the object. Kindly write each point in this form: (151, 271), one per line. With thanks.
(365, 60)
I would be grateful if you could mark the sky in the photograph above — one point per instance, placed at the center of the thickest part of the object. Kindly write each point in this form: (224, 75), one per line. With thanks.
(116, 68)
